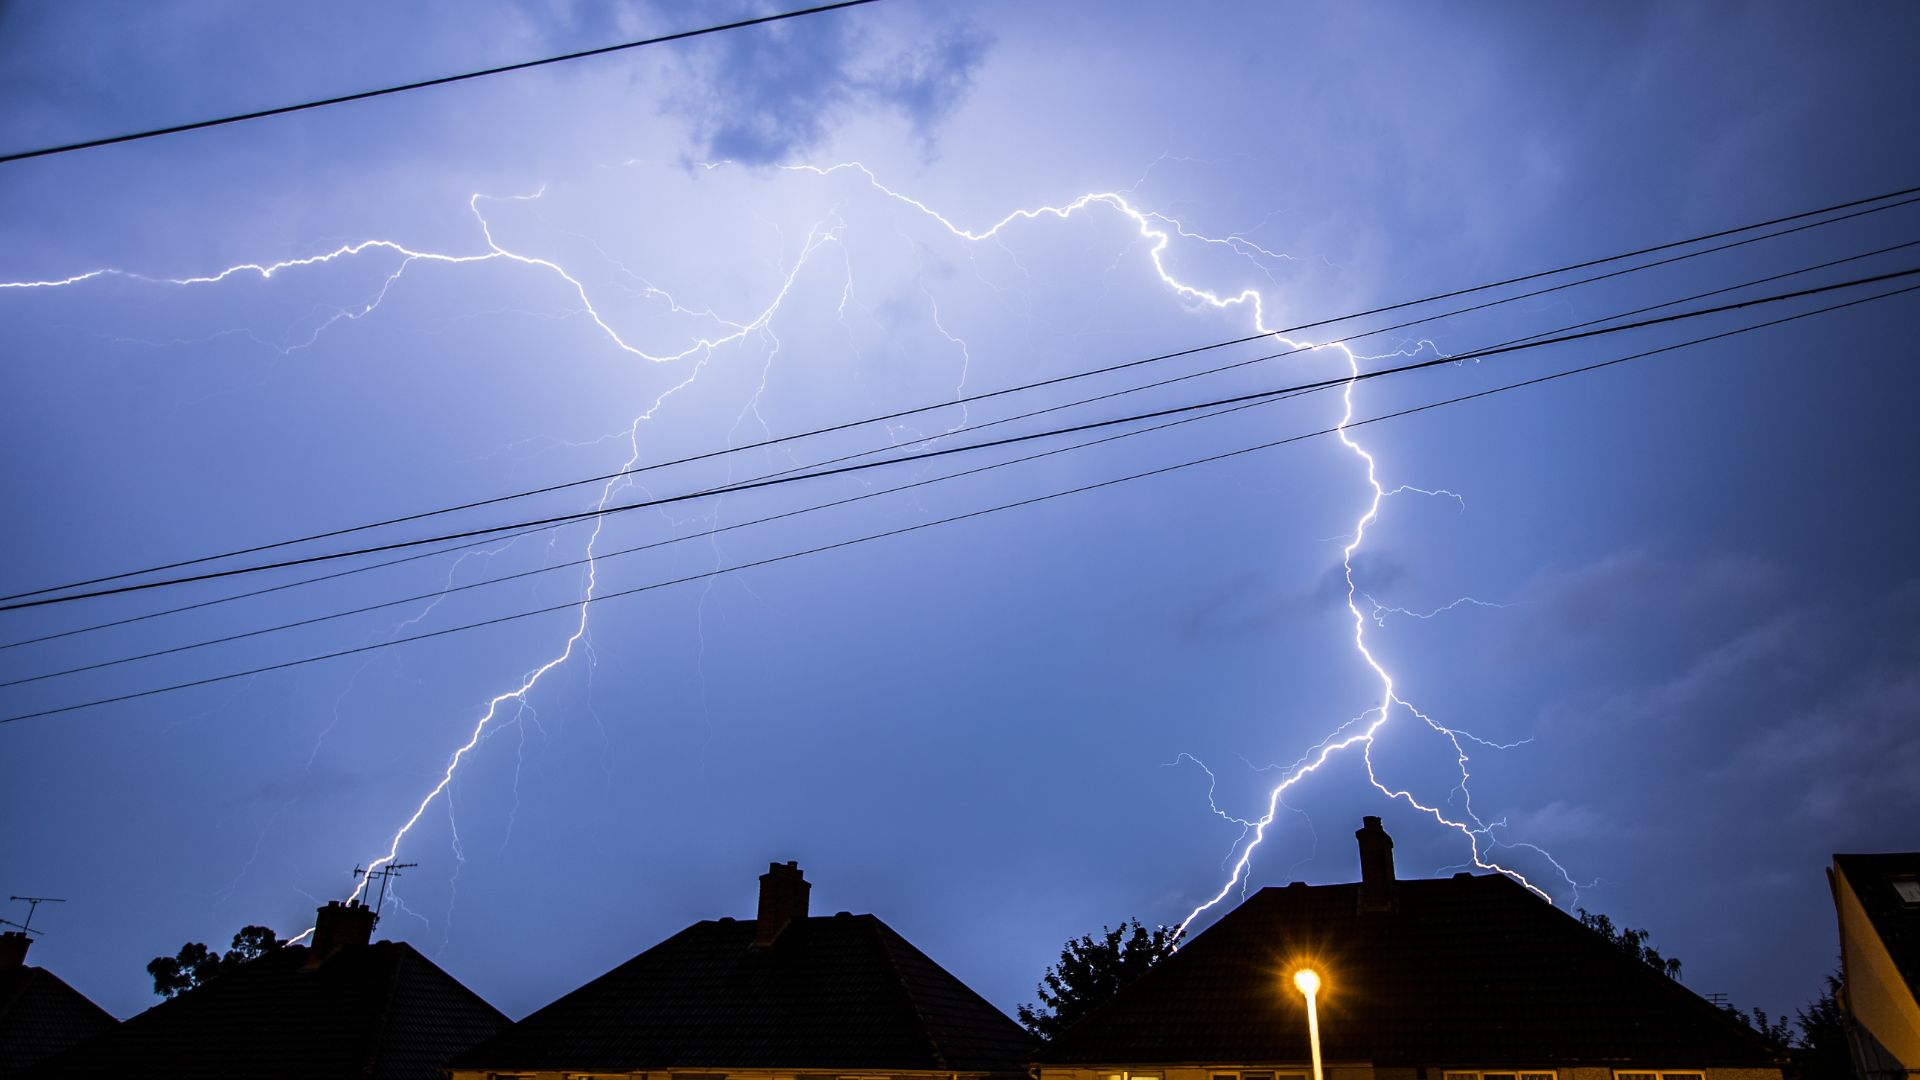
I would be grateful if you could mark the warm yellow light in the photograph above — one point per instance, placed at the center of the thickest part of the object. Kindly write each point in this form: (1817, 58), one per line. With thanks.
(1307, 981)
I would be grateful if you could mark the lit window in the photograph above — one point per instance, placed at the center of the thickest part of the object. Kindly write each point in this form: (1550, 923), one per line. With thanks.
(1663, 1074)
(1908, 888)
(1529, 1074)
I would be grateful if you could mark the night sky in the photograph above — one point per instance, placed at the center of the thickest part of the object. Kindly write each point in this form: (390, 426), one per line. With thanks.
(1680, 595)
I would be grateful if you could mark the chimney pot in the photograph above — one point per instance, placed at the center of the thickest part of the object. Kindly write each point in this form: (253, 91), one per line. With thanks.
(339, 926)
(783, 901)
(1376, 865)
(13, 949)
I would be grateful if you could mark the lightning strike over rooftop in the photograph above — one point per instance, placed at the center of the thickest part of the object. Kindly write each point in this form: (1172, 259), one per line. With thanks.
(1159, 230)
(251, 363)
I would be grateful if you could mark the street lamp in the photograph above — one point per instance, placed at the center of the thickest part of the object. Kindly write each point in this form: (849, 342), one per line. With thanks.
(1307, 981)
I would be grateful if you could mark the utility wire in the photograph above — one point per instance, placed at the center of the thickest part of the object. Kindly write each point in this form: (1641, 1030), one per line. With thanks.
(362, 95)
(773, 481)
(597, 559)
(771, 560)
(458, 546)
(1906, 197)
(653, 545)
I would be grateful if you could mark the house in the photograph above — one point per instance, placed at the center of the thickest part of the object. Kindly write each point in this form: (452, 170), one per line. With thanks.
(339, 1007)
(1470, 977)
(784, 996)
(39, 1014)
(1877, 898)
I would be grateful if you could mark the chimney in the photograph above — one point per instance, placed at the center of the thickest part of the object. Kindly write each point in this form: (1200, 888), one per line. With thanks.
(13, 949)
(338, 926)
(783, 899)
(1376, 865)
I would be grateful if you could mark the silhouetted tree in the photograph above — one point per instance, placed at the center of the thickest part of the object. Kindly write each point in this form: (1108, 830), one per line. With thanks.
(1823, 1053)
(1091, 970)
(1632, 942)
(197, 965)
(1821, 1049)
(1777, 1030)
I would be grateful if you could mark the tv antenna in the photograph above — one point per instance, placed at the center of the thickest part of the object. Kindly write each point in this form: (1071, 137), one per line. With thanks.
(33, 904)
(386, 874)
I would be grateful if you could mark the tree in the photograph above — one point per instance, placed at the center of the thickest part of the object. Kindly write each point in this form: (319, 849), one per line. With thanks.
(197, 965)
(1632, 942)
(1823, 1036)
(1777, 1030)
(1821, 1049)
(1091, 970)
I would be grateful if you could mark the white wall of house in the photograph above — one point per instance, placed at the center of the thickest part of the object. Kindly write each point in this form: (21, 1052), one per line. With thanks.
(1877, 997)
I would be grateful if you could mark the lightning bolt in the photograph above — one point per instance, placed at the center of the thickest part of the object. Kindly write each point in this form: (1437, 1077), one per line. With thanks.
(518, 696)
(1381, 611)
(1363, 730)
(1159, 231)
(696, 349)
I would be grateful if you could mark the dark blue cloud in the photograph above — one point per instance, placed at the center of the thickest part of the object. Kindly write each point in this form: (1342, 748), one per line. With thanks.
(768, 97)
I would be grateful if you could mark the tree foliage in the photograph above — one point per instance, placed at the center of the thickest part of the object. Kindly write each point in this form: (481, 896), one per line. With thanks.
(1632, 942)
(1823, 1053)
(196, 964)
(1091, 970)
(1821, 1046)
(1775, 1029)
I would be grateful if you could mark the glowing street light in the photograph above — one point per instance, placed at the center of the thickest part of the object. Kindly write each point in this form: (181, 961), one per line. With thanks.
(1307, 981)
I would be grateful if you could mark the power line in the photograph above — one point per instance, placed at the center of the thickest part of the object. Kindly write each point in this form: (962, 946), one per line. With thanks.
(1905, 196)
(362, 95)
(596, 559)
(781, 479)
(1163, 470)
(654, 545)
(462, 545)
(790, 477)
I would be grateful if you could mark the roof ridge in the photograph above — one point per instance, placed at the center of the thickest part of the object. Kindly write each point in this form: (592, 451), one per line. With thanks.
(1671, 986)
(384, 1017)
(913, 1000)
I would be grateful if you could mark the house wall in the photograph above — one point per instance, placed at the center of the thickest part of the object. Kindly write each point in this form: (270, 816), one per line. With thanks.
(1606, 1072)
(1331, 1071)
(1876, 996)
(584, 1071)
(1348, 1071)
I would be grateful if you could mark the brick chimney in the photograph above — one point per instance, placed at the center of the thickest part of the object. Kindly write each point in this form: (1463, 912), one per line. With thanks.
(1376, 865)
(339, 926)
(783, 900)
(13, 949)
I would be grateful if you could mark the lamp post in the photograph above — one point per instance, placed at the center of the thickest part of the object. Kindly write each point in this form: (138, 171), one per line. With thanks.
(1308, 983)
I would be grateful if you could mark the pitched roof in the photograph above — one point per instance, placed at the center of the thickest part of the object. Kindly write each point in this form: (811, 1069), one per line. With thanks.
(836, 993)
(40, 1015)
(1896, 921)
(1461, 969)
(376, 1011)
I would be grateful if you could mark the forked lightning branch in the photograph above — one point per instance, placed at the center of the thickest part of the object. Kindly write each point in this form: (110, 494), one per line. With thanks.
(1353, 737)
